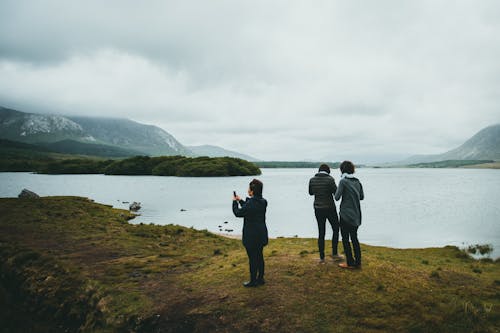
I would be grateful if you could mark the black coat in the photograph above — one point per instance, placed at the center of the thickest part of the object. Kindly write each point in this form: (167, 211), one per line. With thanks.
(323, 187)
(253, 211)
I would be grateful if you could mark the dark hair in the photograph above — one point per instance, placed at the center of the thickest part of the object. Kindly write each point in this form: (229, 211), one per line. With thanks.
(324, 167)
(256, 187)
(347, 167)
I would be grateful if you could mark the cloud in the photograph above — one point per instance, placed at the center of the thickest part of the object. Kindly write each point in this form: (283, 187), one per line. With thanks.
(276, 79)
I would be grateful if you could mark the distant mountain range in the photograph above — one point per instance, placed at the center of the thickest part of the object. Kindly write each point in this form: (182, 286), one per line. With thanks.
(484, 145)
(214, 151)
(112, 137)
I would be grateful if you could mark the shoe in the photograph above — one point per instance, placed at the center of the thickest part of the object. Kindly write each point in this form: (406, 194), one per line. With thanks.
(260, 282)
(321, 261)
(345, 265)
(250, 284)
(337, 257)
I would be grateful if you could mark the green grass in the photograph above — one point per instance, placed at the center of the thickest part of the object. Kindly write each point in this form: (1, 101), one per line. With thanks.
(450, 164)
(67, 262)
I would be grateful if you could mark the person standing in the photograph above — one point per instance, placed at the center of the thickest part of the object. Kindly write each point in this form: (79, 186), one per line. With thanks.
(323, 187)
(351, 192)
(255, 237)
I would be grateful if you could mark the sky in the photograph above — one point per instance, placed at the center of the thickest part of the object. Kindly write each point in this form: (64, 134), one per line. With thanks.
(369, 81)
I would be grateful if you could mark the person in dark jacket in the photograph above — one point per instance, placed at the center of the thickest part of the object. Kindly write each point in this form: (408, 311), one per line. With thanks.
(255, 237)
(351, 192)
(323, 187)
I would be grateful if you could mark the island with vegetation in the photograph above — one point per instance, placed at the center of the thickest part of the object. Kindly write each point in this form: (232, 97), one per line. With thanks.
(68, 264)
(19, 157)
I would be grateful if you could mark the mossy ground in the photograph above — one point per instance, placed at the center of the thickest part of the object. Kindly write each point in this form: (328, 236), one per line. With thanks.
(69, 263)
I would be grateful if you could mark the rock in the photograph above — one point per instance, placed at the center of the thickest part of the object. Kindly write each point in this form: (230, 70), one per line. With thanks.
(134, 206)
(183, 210)
(229, 230)
(27, 194)
(225, 222)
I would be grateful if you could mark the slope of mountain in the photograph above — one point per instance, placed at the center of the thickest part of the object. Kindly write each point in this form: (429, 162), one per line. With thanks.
(128, 134)
(123, 133)
(215, 151)
(484, 145)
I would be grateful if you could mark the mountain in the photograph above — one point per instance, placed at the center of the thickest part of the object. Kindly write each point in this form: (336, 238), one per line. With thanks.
(484, 145)
(122, 133)
(215, 151)
(129, 134)
(33, 128)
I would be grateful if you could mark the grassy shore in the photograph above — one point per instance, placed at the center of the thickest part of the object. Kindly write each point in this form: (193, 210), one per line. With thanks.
(68, 263)
(493, 165)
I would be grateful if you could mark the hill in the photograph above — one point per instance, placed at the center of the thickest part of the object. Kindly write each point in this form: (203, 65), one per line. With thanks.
(69, 264)
(484, 145)
(89, 149)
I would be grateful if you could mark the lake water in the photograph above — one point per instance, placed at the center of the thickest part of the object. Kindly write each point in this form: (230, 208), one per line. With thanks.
(403, 208)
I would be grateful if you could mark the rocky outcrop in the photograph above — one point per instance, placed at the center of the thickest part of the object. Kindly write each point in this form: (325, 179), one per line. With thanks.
(134, 206)
(27, 194)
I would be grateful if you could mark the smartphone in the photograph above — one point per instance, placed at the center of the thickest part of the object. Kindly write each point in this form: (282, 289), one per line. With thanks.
(234, 193)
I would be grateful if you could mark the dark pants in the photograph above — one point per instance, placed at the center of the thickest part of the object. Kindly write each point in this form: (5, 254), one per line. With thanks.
(352, 233)
(256, 262)
(321, 216)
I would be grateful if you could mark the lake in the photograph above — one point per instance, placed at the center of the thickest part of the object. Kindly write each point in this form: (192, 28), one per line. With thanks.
(403, 208)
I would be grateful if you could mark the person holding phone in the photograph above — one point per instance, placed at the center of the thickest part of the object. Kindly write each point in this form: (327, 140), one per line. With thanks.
(255, 237)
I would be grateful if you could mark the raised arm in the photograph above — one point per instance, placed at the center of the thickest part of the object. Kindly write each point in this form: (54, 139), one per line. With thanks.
(243, 211)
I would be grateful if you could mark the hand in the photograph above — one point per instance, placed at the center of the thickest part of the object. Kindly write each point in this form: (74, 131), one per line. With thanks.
(236, 198)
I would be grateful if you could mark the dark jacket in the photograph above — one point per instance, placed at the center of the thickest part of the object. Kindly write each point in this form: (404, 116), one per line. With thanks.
(253, 211)
(351, 191)
(323, 187)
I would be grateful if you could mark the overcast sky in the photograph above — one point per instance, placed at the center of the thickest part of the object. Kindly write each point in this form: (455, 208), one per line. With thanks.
(278, 80)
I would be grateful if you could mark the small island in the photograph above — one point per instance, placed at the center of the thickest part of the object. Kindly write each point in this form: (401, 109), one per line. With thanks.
(68, 264)
(180, 166)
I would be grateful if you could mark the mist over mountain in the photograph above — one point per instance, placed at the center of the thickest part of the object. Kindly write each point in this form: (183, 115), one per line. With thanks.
(484, 145)
(122, 133)
(112, 137)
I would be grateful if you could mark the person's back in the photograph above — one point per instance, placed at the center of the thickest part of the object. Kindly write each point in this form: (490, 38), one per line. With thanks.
(323, 187)
(351, 190)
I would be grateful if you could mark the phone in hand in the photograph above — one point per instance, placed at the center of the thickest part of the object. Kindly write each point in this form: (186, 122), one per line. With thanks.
(234, 193)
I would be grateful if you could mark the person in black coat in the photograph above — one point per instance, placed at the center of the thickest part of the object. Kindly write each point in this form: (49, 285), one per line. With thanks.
(323, 187)
(255, 237)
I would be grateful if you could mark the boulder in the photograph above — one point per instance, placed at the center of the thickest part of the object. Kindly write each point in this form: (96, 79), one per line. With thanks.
(134, 206)
(28, 194)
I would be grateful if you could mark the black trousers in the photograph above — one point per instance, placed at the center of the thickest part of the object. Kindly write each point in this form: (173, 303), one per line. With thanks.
(352, 233)
(256, 262)
(321, 216)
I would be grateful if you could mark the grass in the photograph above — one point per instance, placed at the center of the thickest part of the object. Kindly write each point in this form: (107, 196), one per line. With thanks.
(68, 263)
